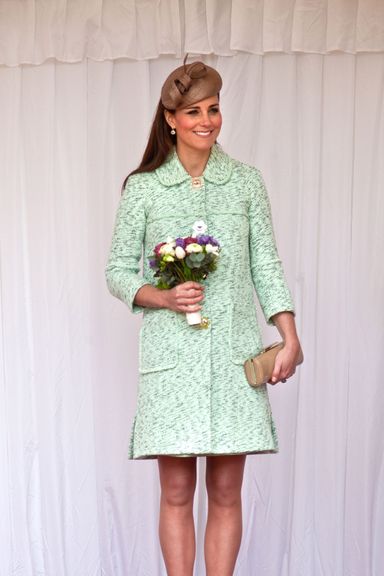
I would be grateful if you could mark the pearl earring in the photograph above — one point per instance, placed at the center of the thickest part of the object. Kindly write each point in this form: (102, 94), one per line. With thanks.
(173, 131)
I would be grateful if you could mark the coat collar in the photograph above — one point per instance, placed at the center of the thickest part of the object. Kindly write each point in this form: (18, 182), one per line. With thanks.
(218, 169)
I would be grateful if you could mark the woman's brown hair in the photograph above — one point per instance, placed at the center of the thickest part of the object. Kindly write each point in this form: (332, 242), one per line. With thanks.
(160, 144)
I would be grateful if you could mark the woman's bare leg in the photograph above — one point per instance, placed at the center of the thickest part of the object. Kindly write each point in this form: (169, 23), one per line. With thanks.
(224, 525)
(176, 528)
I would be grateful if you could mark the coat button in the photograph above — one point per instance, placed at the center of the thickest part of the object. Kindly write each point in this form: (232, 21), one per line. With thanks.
(205, 322)
(196, 182)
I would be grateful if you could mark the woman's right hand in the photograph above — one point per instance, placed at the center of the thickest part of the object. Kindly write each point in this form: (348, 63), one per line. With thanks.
(185, 297)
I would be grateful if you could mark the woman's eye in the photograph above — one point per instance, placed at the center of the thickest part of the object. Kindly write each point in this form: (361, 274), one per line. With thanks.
(215, 110)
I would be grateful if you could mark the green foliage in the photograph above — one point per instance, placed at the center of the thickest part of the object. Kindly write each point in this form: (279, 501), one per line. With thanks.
(195, 266)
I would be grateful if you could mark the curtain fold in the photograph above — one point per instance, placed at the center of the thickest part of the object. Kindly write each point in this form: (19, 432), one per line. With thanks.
(33, 31)
(71, 503)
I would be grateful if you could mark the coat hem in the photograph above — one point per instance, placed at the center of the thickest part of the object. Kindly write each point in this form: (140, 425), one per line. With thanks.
(202, 454)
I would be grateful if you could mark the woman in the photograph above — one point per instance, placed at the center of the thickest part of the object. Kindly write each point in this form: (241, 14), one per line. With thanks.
(194, 399)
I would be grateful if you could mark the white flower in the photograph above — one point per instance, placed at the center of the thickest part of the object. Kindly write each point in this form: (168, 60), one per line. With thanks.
(199, 227)
(194, 247)
(171, 241)
(210, 248)
(180, 252)
(167, 249)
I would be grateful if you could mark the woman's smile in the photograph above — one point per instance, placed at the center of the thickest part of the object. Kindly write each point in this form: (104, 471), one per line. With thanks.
(202, 133)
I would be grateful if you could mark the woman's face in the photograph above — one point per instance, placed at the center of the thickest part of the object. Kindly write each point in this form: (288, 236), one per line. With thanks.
(197, 126)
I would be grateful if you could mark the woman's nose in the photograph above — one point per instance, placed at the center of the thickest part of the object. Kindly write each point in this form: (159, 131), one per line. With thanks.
(205, 119)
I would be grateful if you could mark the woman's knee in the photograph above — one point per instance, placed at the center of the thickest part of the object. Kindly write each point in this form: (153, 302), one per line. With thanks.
(177, 480)
(224, 482)
(224, 494)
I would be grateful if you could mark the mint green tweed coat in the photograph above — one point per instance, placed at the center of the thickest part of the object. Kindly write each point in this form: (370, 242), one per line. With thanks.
(193, 397)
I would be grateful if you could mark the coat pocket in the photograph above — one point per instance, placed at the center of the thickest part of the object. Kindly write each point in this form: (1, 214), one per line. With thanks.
(158, 341)
(245, 337)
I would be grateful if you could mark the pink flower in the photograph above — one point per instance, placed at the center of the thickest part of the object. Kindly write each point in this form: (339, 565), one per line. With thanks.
(157, 248)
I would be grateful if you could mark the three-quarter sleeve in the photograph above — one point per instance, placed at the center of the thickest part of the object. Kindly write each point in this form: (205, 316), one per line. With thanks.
(266, 268)
(122, 272)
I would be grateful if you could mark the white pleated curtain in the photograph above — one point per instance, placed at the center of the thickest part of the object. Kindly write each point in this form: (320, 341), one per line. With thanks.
(71, 504)
(32, 31)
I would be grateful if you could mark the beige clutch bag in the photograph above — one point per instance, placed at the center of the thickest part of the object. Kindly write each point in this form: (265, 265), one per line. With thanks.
(259, 369)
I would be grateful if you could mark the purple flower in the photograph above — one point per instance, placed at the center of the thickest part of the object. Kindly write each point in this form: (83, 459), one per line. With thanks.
(213, 241)
(152, 264)
(180, 242)
(203, 239)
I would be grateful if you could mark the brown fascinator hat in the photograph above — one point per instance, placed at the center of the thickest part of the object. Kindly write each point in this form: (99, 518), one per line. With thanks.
(190, 83)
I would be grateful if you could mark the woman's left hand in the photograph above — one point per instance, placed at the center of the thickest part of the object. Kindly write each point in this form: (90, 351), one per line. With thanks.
(287, 359)
(285, 363)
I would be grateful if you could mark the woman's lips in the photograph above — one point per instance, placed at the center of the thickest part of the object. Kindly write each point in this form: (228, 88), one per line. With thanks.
(203, 134)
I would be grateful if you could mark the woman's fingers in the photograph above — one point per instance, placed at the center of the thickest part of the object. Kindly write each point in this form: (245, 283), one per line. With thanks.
(189, 299)
(186, 297)
(189, 293)
(285, 367)
(190, 308)
(190, 284)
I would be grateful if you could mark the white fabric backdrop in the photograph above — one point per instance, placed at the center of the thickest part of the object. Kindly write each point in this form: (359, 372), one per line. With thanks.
(32, 31)
(71, 504)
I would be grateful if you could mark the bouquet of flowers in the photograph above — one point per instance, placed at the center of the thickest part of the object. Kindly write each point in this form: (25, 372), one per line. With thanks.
(178, 260)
